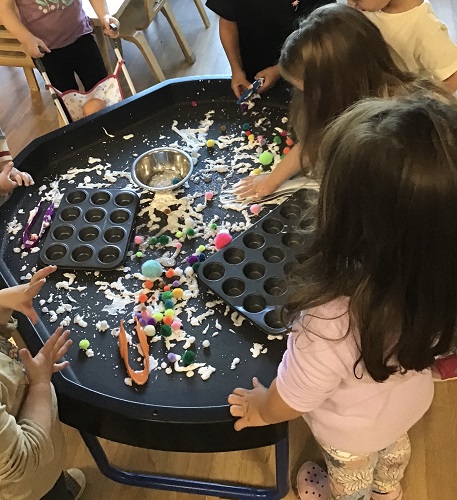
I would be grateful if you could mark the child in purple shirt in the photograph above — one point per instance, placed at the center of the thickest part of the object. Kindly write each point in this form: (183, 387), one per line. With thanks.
(374, 301)
(59, 32)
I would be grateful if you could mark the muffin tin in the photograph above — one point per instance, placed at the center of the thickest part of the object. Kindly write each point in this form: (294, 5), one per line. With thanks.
(91, 229)
(250, 273)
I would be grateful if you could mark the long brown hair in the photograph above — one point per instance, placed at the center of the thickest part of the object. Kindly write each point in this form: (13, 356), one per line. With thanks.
(386, 230)
(340, 57)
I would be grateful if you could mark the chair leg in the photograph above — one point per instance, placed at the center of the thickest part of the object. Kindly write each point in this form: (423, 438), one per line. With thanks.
(31, 79)
(103, 46)
(183, 43)
(203, 14)
(140, 41)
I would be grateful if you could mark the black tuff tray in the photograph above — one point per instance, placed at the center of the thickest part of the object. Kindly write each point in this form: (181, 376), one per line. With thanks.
(91, 229)
(250, 272)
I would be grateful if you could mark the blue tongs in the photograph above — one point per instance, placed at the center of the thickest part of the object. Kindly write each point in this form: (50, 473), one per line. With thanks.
(247, 94)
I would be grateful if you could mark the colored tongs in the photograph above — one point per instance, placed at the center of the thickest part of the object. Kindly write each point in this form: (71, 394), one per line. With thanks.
(139, 377)
(30, 239)
(247, 94)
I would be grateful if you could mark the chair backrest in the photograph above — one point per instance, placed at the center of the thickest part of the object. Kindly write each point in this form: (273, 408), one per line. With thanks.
(139, 14)
(12, 52)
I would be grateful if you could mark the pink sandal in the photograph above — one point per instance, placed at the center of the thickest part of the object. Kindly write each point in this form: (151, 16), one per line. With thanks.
(312, 482)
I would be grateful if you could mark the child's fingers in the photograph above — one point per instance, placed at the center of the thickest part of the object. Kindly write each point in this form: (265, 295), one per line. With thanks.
(49, 345)
(256, 383)
(58, 367)
(24, 178)
(239, 391)
(236, 411)
(26, 357)
(34, 288)
(43, 273)
(241, 424)
(62, 345)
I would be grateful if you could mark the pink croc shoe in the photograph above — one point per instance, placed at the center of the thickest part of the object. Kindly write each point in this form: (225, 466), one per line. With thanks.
(312, 482)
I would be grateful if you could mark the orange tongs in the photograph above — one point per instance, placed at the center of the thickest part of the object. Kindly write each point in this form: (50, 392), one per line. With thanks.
(139, 377)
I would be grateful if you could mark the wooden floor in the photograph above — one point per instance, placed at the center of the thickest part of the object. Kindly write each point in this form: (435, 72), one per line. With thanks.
(432, 474)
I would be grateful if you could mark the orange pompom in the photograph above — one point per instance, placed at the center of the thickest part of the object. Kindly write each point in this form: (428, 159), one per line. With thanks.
(170, 273)
(168, 320)
(142, 298)
(166, 288)
(148, 284)
(289, 141)
(286, 150)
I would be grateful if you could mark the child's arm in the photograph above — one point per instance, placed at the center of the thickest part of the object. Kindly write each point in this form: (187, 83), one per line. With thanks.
(228, 33)
(259, 406)
(37, 405)
(258, 186)
(10, 19)
(102, 11)
(20, 297)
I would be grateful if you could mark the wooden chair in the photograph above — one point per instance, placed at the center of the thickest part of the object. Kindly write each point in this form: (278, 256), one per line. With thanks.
(137, 17)
(202, 11)
(12, 53)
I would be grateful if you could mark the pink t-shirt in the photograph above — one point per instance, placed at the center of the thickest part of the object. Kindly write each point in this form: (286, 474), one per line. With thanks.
(58, 22)
(357, 415)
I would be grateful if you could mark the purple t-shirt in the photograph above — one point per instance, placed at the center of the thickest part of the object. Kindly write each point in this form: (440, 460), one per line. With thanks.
(356, 415)
(58, 23)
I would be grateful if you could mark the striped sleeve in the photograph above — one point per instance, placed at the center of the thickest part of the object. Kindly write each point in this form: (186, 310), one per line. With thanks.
(5, 154)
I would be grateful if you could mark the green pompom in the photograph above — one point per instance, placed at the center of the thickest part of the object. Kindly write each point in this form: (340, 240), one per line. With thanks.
(165, 330)
(188, 357)
(84, 344)
(266, 158)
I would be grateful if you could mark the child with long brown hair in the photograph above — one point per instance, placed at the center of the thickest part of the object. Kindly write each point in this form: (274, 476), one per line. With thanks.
(336, 57)
(374, 301)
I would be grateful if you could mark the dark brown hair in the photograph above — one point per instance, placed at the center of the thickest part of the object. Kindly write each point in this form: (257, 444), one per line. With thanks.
(386, 230)
(340, 57)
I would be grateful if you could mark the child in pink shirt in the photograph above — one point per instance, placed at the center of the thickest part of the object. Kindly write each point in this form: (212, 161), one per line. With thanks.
(59, 32)
(374, 301)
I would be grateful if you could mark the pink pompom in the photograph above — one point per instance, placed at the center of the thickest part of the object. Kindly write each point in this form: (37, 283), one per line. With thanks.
(209, 195)
(176, 325)
(254, 209)
(138, 239)
(222, 239)
(178, 245)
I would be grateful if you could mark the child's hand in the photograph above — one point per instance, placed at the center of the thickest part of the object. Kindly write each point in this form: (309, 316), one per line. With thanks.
(20, 297)
(40, 368)
(106, 21)
(21, 178)
(239, 83)
(33, 46)
(271, 76)
(246, 404)
(254, 186)
(7, 184)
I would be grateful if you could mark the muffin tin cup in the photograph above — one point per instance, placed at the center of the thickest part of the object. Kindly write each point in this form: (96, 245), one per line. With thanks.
(91, 229)
(250, 273)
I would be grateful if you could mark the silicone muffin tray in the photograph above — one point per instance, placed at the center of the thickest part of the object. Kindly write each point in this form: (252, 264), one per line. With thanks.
(91, 229)
(250, 273)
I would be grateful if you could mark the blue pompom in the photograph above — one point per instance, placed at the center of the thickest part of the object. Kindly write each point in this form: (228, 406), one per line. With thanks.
(152, 269)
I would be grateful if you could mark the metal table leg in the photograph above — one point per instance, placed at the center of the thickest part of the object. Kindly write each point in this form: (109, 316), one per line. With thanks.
(185, 485)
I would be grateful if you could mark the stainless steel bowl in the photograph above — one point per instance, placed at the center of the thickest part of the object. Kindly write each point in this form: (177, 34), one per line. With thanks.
(162, 168)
